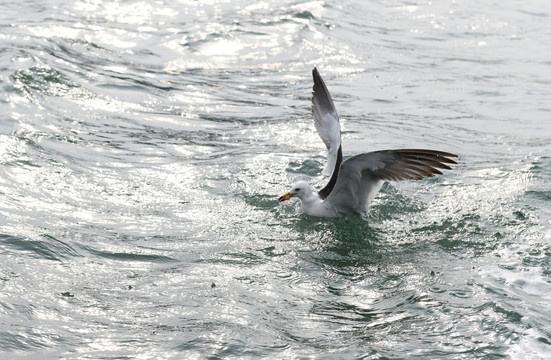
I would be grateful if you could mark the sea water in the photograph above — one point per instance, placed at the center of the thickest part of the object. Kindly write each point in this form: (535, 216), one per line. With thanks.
(144, 144)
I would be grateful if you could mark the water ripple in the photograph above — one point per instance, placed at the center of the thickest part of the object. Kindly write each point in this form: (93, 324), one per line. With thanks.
(143, 147)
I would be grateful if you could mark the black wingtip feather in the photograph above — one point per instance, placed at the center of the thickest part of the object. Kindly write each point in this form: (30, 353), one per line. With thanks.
(414, 164)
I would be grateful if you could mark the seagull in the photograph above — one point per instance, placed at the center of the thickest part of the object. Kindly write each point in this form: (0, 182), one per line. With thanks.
(355, 182)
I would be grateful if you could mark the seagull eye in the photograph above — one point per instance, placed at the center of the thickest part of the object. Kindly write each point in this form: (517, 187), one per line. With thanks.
(297, 189)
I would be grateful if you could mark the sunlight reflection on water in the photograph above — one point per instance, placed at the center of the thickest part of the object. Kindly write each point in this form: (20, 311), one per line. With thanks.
(143, 146)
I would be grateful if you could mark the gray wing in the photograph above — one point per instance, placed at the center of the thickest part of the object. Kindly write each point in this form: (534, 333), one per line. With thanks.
(326, 121)
(361, 176)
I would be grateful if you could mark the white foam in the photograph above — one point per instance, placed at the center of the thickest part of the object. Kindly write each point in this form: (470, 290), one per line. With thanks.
(526, 291)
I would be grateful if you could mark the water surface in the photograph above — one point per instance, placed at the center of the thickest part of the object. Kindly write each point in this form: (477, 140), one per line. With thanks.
(144, 144)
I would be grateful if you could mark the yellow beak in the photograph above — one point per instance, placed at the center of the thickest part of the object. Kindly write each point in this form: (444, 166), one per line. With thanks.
(285, 197)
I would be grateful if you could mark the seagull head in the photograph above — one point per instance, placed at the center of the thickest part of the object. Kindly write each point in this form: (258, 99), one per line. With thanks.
(299, 189)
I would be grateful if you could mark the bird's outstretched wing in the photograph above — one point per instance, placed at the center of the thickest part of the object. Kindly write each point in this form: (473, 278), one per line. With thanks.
(361, 176)
(327, 124)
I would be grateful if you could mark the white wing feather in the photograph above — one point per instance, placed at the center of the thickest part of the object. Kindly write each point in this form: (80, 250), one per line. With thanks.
(326, 121)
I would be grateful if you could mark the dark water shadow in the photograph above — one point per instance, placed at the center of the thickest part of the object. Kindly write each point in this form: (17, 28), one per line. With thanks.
(347, 246)
(40, 247)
